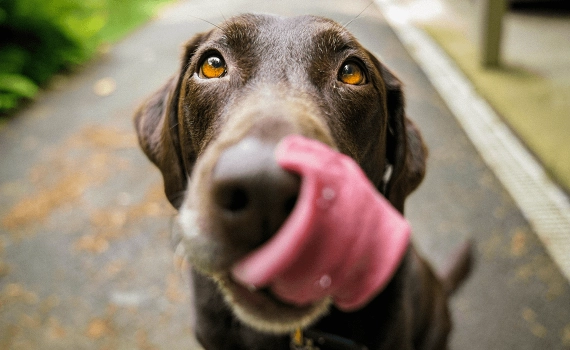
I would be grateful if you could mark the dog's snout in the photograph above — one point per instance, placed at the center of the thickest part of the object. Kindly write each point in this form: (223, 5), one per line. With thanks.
(252, 195)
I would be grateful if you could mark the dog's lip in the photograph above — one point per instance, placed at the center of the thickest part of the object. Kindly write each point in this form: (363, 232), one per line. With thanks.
(264, 311)
(258, 296)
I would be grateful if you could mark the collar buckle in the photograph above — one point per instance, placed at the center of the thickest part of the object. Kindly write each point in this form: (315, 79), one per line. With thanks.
(298, 342)
(324, 341)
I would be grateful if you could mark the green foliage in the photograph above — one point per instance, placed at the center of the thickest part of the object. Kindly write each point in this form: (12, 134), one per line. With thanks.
(126, 15)
(39, 38)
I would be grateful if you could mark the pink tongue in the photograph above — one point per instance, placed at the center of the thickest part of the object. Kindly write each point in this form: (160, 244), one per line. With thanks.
(343, 239)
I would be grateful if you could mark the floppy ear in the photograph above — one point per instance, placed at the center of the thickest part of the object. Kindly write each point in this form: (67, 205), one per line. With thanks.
(157, 126)
(405, 148)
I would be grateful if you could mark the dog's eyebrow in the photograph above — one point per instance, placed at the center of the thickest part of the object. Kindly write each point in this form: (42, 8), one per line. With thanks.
(237, 33)
(333, 40)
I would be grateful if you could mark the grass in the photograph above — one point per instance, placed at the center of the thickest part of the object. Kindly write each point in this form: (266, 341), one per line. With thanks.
(536, 109)
(123, 16)
(46, 37)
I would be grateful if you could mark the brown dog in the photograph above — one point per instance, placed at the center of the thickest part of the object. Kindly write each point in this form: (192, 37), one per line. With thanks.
(212, 130)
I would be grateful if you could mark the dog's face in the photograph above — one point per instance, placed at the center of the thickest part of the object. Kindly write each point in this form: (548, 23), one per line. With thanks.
(212, 130)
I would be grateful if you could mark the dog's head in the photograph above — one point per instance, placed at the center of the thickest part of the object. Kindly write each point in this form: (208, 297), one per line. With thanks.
(213, 127)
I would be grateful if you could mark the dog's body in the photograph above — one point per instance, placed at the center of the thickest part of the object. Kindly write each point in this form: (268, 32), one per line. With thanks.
(212, 130)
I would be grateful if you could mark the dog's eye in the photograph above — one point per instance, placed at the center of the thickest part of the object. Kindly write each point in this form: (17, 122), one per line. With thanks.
(351, 73)
(213, 67)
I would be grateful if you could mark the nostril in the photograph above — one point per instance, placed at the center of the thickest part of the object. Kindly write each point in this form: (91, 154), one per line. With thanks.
(232, 198)
(251, 196)
(289, 204)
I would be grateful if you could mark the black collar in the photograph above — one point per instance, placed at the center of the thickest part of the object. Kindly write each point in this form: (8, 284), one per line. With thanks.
(317, 340)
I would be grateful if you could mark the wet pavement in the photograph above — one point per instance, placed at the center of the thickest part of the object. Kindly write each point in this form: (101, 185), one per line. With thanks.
(85, 255)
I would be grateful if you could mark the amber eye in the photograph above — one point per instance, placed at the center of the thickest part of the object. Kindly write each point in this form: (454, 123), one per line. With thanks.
(213, 67)
(351, 73)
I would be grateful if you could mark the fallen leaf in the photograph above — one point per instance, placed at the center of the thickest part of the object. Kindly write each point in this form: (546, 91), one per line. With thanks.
(105, 137)
(114, 267)
(537, 329)
(56, 330)
(143, 342)
(104, 87)
(28, 321)
(518, 244)
(98, 328)
(92, 243)
(4, 269)
(529, 315)
(38, 207)
(49, 304)
(566, 335)
(17, 292)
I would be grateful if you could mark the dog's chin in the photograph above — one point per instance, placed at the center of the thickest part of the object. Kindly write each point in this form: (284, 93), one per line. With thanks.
(262, 311)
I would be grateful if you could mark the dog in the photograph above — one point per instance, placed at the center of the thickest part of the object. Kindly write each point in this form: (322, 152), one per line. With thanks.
(212, 130)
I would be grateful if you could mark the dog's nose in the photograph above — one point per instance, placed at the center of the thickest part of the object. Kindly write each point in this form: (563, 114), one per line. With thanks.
(252, 195)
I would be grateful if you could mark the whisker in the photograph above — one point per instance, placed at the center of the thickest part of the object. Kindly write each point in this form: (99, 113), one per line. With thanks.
(357, 16)
(222, 14)
(205, 20)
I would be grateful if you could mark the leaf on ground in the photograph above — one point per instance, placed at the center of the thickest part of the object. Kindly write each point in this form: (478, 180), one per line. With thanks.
(104, 87)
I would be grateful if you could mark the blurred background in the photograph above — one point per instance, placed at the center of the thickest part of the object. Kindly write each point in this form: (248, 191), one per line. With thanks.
(85, 253)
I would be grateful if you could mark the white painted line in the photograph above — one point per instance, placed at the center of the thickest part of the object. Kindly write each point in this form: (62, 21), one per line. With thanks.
(542, 202)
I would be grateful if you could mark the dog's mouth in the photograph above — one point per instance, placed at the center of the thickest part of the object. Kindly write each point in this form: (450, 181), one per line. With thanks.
(259, 308)
(238, 200)
(264, 311)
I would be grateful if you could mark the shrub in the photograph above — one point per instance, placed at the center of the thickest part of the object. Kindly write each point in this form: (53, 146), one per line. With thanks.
(39, 38)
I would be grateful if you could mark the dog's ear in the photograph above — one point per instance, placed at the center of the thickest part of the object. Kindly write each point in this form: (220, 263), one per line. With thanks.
(405, 148)
(157, 126)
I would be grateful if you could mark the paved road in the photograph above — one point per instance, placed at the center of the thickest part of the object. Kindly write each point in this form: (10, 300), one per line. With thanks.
(85, 257)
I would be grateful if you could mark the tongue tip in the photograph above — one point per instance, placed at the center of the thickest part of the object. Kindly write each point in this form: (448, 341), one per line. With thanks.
(248, 274)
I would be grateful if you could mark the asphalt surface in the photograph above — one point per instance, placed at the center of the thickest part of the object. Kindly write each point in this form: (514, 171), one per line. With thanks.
(85, 255)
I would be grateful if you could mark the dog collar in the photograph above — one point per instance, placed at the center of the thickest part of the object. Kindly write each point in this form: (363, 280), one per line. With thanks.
(317, 340)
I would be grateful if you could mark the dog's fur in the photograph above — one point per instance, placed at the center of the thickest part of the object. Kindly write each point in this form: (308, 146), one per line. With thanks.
(282, 78)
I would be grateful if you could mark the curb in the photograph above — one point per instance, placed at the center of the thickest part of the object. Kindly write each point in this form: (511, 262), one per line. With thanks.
(541, 201)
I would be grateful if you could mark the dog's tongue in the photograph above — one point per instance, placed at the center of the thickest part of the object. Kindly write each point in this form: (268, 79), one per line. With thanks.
(343, 239)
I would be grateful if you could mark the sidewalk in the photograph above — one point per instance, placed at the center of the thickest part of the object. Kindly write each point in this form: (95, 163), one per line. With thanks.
(85, 256)
(531, 91)
(473, 102)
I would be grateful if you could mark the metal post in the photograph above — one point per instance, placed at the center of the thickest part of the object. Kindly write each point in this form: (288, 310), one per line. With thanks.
(492, 29)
